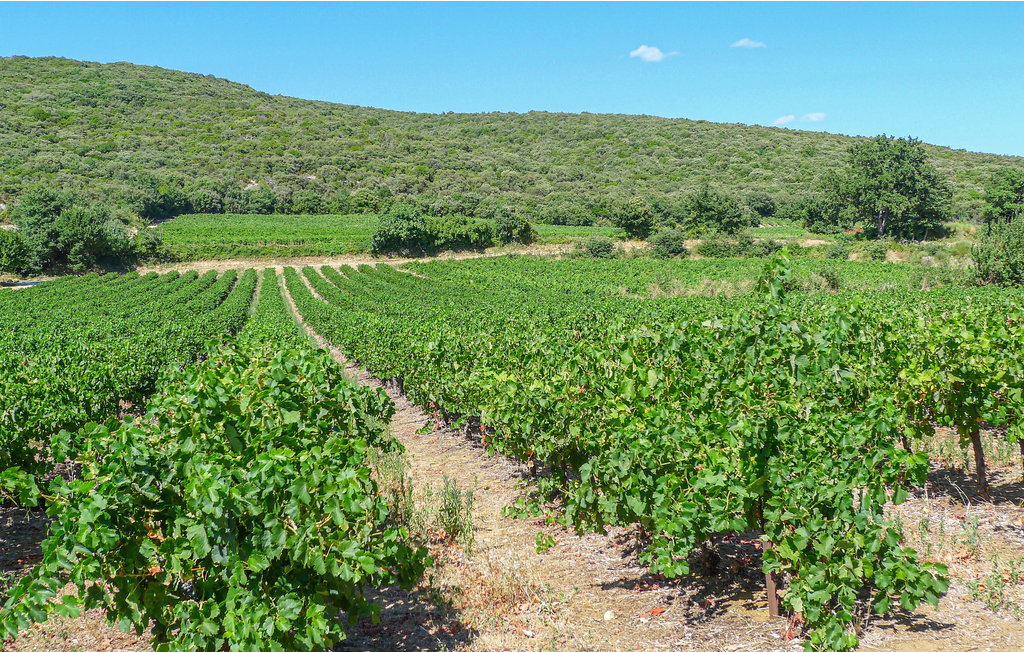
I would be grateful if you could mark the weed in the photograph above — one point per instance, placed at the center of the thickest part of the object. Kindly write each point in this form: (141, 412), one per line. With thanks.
(455, 513)
(973, 537)
(992, 590)
(396, 487)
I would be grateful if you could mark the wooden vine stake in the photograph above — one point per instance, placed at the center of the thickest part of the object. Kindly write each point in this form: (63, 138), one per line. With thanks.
(773, 590)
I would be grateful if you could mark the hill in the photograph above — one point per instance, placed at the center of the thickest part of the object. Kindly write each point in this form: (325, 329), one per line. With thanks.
(166, 142)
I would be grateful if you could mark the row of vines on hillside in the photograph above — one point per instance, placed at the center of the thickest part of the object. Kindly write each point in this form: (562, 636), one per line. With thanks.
(790, 415)
(239, 511)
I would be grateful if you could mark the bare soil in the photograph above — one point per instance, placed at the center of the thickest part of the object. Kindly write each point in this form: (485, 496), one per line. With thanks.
(354, 261)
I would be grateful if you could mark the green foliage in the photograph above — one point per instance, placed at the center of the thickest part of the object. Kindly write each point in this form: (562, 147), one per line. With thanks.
(890, 189)
(117, 144)
(598, 246)
(636, 218)
(404, 228)
(877, 250)
(669, 243)
(261, 525)
(999, 259)
(762, 204)
(455, 513)
(818, 214)
(838, 251)
(708, 209)
(13, 252)
(510, 226)
(401, 227)
(59, 230)
(719, 246)
(780, 411)
(74, 350)
(1004, 195)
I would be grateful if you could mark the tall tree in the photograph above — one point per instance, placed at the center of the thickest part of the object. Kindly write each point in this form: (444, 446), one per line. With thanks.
(1004, 196)
(890, 189)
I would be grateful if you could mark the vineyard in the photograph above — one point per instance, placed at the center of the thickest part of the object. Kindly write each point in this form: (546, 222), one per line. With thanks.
(207, 467)
(203, 237)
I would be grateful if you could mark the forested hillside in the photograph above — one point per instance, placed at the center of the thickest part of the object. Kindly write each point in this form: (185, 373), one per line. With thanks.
(164, 142)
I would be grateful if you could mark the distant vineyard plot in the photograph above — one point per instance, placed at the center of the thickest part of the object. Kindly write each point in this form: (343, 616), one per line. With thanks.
(199, 237)
(213, 237)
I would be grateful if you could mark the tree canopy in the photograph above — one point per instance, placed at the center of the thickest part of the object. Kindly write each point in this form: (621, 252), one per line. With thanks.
(1004, 196)
(890, 189)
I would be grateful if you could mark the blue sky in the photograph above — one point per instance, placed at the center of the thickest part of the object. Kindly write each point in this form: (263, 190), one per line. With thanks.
(949, 73)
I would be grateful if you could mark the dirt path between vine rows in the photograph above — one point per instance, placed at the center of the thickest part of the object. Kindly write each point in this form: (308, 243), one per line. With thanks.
(588, 592)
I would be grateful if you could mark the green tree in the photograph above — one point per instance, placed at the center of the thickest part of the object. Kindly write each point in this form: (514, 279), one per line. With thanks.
(636, 218)
(761, 203)
(707, 209)
(1004, 196)
(36, 215)
(13, 252)
(512, 226)
(999, 259)
(890, 189)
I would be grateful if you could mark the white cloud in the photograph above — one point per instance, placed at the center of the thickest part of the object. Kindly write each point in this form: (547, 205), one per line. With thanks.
(812, 117)
(784, 119)
(747, 43)
(650, 53)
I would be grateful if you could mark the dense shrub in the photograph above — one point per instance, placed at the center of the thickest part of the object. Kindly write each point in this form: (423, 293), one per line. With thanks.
(568, 214)
(707, 209)
(13, 252)
(717, 246)
(457, 232)
(1000, 256)
(838, 251)
(877, 250)
(1004, 196)
(669, 243)
(636, 218)
(598, 246)
(511, 226)
(763, 248)
(743, 245)
(401, 227)
(60, 230)
(762, 204)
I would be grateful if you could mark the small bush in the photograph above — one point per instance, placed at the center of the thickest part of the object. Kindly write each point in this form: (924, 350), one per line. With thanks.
(763, 248)
(1000, 256)
(718, 247)
(455, 513)
(598, 246)
(13, 252)
(669, 243)
(829, 279)
(877, 250)
(838, 252)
